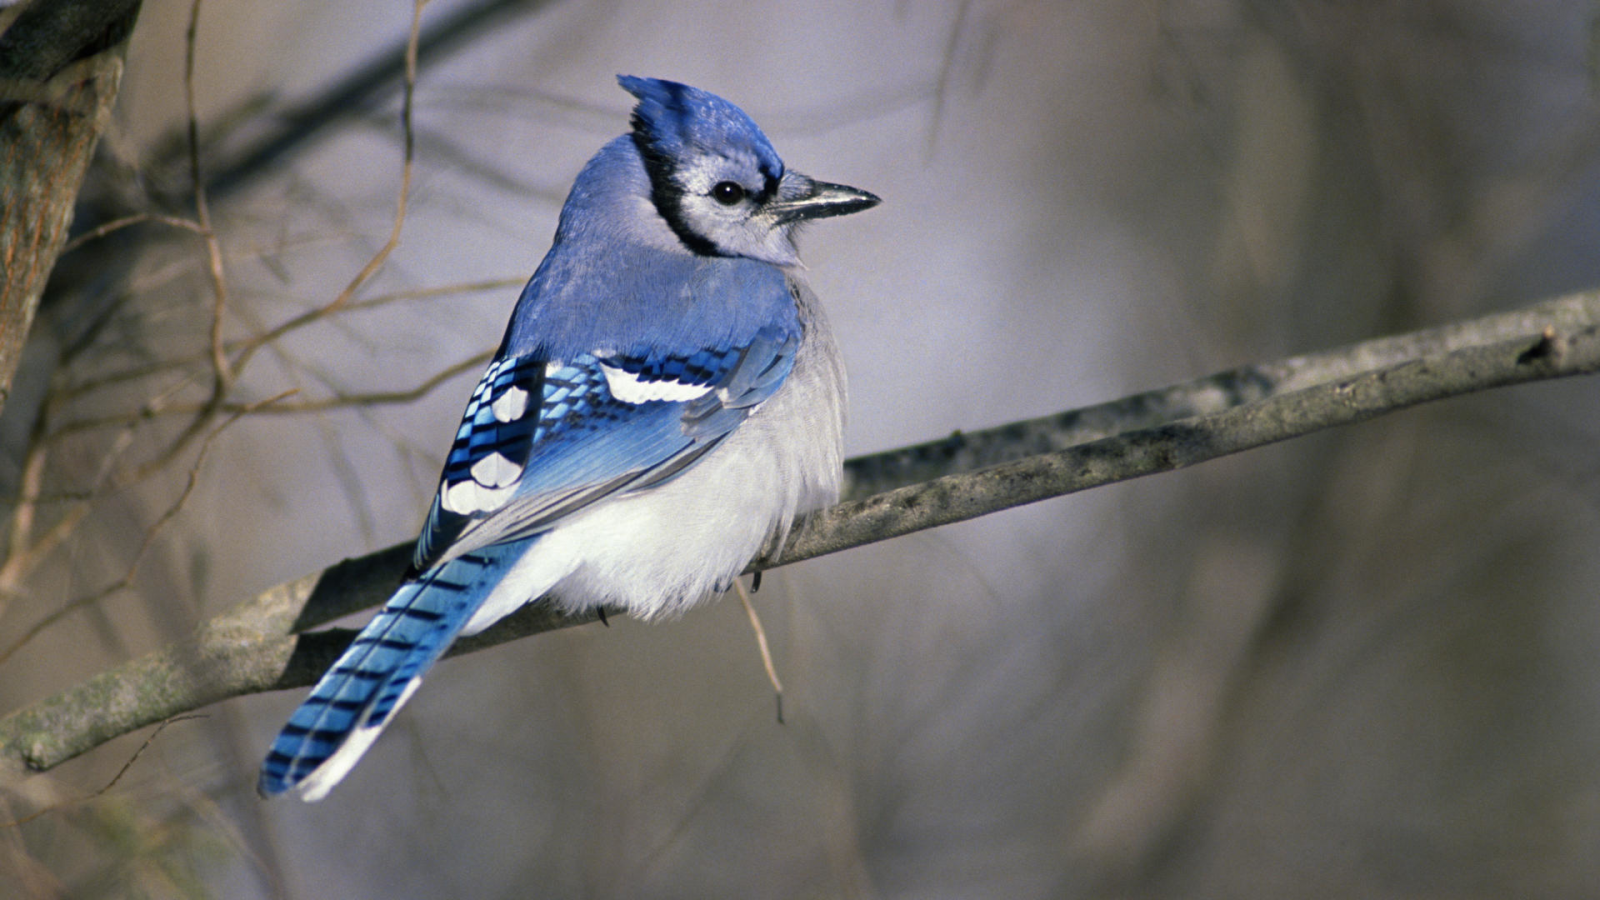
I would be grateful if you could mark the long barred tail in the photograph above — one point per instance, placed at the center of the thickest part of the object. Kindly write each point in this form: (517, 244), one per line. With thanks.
(350, 706)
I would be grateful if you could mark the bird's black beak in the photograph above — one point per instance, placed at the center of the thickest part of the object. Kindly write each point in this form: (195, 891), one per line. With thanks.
(800, 198)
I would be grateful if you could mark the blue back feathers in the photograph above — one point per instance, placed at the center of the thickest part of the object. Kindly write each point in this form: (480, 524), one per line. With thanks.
(611, 278)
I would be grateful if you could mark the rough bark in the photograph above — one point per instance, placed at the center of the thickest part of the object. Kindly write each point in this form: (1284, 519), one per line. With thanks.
(60, 66)
(259, 646)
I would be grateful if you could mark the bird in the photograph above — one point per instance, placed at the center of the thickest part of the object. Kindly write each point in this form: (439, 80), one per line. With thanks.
(667, 398)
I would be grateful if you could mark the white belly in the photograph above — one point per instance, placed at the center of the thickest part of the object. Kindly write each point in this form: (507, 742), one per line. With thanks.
(658, 552)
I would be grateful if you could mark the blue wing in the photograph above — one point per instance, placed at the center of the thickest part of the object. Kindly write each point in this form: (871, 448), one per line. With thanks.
(542, 438)
(539, 440)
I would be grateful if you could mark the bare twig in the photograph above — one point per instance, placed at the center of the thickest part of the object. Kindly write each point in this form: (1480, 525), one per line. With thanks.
(123, 376)
(22, 516)
(222, 372)
(761, 644)
(363, 87)
(258, 647)
(409, 140)
(116, 225)
(941, 88)
(150, 534)
(377, 260)
(23, 555)
(381, 398)
(57, 807)
(338, 401)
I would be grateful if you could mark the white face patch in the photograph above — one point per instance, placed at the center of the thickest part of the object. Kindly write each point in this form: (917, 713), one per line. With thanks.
(511, 405)
(630, 388)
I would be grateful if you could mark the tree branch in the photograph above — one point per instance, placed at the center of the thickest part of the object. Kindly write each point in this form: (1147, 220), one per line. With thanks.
(966, 452)
(259, 645)
(60, 67)
(359, 90)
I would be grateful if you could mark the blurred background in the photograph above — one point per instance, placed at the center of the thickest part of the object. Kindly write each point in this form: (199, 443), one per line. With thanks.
(1365, 663)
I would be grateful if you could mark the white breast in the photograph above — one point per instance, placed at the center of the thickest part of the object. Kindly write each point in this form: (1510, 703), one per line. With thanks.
(662, 550)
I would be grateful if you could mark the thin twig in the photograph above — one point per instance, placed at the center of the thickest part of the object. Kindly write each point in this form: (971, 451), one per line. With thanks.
(23, 557)
(150, 534)
(382, 398)
(408, 137)
(31, 485)
(122, 377)
(339, 401)
(362, 87)
(941, 87)
(222, 372)
(225, 373)
(376, 262)
(57, 807)
(761, 644)
(114, 225)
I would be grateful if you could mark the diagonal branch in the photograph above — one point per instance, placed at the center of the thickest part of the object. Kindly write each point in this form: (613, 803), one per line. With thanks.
(361, 89)
(965, 452)
(259, 645)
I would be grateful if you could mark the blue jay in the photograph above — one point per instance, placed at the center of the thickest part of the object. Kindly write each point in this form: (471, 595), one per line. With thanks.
(666, 399)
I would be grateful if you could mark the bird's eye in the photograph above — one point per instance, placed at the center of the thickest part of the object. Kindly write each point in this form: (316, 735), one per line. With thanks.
(728, 192)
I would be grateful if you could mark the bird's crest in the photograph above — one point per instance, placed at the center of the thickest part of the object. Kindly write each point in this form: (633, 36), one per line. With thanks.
(676, 121)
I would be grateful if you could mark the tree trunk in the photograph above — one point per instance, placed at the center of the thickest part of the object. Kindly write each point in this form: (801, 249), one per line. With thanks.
(60, 65)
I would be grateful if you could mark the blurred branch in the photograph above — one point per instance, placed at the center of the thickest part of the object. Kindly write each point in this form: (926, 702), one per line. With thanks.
(222, 373)
(259, 645)
(126, 581)
(23, 551)
(60, 67)
(339, 400)
(363, 88)
(167, 366)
